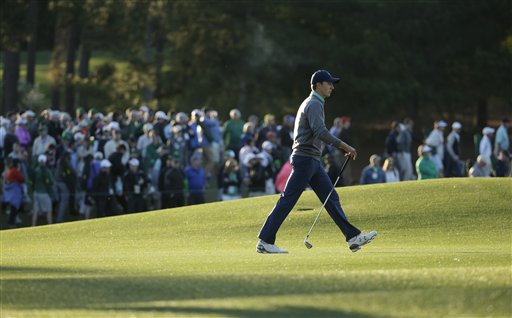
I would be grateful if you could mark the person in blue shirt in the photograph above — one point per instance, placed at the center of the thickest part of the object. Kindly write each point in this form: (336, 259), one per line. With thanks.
(196, 180)
(373, 173)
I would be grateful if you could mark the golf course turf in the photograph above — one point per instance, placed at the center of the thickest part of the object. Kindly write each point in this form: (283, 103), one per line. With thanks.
(444, 249)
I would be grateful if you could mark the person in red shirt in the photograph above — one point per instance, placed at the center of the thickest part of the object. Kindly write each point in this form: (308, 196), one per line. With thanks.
(13, 191)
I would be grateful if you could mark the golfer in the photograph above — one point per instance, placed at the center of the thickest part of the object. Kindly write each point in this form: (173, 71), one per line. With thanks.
(310, 135)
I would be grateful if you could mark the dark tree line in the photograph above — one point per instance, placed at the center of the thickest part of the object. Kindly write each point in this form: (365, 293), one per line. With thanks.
(396, 58)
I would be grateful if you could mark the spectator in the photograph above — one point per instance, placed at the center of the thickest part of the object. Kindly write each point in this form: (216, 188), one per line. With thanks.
(503, 164)
(331, 167)
(159, 124)
(481, 168)
(486, 144)
(179, 143)
(65, 178)
(230, 178)
(425, 167)
(22, 133)
(391, 140)
(42, 141)
(43, 191)
(403, 158)
(249, 132)
(345, 136)
(171, 182)
(14, 191)
(211, 141)
(117, 171)
(112, 145)
(282, 176)
(31, 123)
(453, 165)
(435, 141)
(3, 131)
(286, 136)
(144, 140)
(151, 153)
(135, 184)
(269, 125)
(373, 173)
(267, 163)
(256, 174)
(233, 130)
(133, 127)
(196, 180)
(103, 187)
(390, 170)
(502, 141)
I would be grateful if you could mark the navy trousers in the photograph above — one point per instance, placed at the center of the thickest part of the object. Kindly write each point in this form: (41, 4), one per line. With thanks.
(306, 171)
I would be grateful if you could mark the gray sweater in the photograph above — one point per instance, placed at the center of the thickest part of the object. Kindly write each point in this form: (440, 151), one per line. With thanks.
(310, 133)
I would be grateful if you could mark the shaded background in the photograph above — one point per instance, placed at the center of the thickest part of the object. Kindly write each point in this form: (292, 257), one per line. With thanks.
(423, 59)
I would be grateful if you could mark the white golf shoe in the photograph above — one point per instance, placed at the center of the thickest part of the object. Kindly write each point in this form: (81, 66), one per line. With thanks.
(266, 248)
(357, 242)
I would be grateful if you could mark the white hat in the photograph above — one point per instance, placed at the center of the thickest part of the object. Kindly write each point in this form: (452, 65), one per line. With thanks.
(267, 145)
(456, 125)
(28, 113)
(79, 136)
(442, 124)
(488, 130)
(105, 164)
(41, 158)
(426, 148)
(98, 155)
(115, 125)
(144, 109)
(147, 127)
(134, 162)
(21, 121)
(230, 154)
(83, 123)
(161, 115)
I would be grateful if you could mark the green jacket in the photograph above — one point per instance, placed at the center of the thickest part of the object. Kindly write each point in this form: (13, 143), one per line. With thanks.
(233, 130)
(43, 180)
(426, 169)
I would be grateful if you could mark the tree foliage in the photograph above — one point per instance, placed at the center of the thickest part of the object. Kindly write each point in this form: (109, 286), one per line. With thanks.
(395, 58)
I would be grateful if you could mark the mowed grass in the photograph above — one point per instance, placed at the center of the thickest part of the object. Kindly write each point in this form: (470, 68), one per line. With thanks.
(443, 250)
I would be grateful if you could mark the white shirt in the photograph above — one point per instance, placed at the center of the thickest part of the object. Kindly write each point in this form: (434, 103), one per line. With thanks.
(436, 139)
(485, 146)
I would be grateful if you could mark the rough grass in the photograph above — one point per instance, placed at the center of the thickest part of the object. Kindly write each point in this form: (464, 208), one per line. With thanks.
(443, 249)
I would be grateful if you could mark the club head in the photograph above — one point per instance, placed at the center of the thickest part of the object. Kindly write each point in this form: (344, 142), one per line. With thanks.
(308, 245)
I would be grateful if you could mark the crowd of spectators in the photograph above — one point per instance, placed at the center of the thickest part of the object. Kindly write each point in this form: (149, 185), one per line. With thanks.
(89, 165)
(95, 165)
(439, 156)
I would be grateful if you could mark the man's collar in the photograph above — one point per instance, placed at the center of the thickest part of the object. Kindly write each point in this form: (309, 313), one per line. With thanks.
(318, 96)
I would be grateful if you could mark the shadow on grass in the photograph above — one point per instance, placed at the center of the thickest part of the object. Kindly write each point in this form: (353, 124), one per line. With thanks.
(282, 311)
(117, 293)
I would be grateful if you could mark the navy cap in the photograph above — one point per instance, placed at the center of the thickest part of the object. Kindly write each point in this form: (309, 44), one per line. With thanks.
(323, 76)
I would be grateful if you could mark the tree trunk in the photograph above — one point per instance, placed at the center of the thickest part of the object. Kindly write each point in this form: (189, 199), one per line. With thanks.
(58, 52)
(32, 43)
(482, 113)
(159, 64)
(72, 45)
(11, 78)
(146, 93)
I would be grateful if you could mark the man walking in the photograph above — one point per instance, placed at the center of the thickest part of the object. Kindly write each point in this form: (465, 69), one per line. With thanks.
(310, 136)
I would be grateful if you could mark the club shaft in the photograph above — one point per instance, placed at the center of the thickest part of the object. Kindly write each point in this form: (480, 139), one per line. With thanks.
(327, 199)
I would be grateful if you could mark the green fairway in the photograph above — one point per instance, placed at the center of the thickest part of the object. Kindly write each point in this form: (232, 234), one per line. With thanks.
(443, 250)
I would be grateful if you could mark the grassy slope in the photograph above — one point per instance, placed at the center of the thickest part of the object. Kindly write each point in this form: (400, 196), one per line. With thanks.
(444, 249)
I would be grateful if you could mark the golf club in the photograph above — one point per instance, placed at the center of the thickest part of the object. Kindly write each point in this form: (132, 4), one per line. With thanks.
(309, 245)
